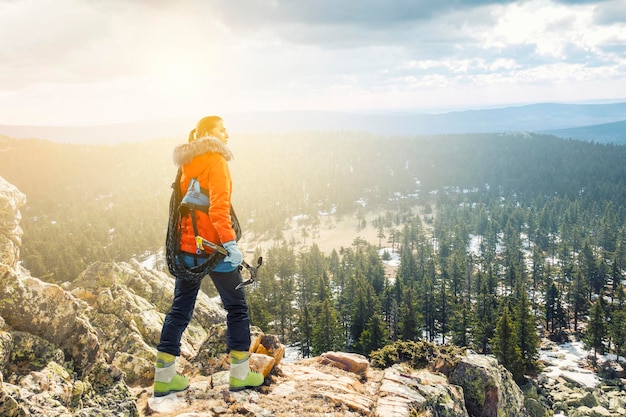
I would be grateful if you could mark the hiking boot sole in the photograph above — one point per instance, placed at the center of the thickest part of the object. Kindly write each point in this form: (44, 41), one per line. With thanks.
(163, 394)
(236, 389)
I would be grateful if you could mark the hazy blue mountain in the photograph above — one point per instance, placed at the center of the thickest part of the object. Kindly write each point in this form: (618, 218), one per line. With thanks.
(534, 117)
(546, 117)
(603, 133)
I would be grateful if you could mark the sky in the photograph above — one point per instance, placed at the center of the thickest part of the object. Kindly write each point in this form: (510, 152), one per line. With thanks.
(91, 62)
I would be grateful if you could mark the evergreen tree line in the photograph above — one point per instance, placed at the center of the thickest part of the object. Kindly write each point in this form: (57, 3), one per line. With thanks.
(91, 203)
(87, 202)
(493, 277)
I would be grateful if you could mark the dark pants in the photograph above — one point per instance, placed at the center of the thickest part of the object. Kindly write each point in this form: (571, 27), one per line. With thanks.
(234, 301)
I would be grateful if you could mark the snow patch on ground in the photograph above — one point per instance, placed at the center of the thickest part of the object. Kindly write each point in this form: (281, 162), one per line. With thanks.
(149, 262)
(566, 361)
(292, 354)
(394, 259)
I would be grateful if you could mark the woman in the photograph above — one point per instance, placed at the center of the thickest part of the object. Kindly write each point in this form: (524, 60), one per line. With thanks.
(205, 158)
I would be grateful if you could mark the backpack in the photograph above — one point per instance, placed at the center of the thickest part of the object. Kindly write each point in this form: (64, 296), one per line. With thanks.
(195, 198)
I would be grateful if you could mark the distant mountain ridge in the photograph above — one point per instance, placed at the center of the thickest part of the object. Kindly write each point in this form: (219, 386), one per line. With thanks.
(603, 133)
(533, 117)
(599, 122)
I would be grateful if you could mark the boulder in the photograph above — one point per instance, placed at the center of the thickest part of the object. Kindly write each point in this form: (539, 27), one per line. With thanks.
(9, 406)
(269, 345)
(45, 310)
(310, 388)
(405, 391)
(350, 362)
(266, 353)
(11, 200)
(262, 363)
(488, 387)
(585, 411)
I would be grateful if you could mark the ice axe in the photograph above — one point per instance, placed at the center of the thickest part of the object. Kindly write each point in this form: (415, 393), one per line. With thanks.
(200, 241)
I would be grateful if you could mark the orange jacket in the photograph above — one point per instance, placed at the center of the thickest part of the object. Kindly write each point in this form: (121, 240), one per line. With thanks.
(206, 159)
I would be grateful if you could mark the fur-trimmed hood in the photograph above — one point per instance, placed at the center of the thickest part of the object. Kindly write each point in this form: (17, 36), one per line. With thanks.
(183, 154)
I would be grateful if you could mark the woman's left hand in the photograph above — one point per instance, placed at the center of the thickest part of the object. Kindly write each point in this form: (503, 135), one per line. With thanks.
(235, 256)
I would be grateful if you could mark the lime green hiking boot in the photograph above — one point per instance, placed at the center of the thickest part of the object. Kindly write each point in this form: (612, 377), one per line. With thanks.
(166, 380)
(177, 384)
(241, 377)
(252, 380)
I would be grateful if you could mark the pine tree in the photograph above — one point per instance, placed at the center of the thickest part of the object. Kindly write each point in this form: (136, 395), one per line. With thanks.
(526, 329)
(617, 331)
(460, 325)
(551, 297)
(312, 267)
(484, 317)
(596, 333)
(578, 298)
(305, 332)
(428, 302)
(375, 336)
(380, 234)
(591, 270)
(507, 353)
(327, 331)
(560, 315)
(409, 317)
(408, 267)
(443, 305)
(392, 313)
(458, 274)
(616, 276)
(284, 290)
(364, 305)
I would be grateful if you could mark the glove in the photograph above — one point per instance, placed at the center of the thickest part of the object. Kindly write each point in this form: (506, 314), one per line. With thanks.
(234, 254)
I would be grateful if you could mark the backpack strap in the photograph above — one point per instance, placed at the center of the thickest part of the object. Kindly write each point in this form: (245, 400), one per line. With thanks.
(196, 198)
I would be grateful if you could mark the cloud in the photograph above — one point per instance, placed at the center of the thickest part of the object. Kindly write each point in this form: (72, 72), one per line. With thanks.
(69, 41)
(371, 14)
(338, 24)
(42, 38)
(611, 12)
(136, 57)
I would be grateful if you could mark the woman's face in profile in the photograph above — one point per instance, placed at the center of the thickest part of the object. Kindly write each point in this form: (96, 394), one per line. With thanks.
(219, 131)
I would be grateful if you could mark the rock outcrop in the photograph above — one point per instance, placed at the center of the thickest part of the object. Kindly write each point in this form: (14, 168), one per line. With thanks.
(82, 345)
(51, 357)
(345, 385)
(488, 387)
(11, 199)
(126, 303)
